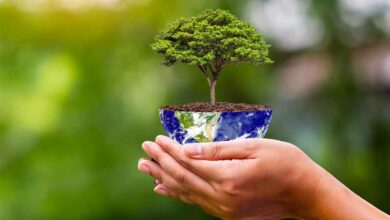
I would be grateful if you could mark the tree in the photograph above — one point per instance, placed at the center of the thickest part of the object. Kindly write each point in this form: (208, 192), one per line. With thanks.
(211, 40)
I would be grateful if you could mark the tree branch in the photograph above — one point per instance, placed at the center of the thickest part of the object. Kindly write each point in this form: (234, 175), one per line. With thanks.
(201, 68)
(204, 71)
(218, 62)
(211, 69)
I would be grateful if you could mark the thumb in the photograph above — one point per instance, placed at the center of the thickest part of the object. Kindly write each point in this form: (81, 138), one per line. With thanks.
(223, 150)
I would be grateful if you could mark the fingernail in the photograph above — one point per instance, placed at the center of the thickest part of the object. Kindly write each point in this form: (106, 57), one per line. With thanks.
(161, 139)
(161, 189)
(145, 146)
(193, 150)
(143, 167)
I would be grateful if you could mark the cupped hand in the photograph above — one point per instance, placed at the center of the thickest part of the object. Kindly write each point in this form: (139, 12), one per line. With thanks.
(240, 179)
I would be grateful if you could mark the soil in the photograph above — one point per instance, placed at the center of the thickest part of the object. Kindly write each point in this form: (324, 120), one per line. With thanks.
(218, 107)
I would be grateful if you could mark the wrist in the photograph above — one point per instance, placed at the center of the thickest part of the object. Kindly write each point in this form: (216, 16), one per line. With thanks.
(319, 196)
(331, 200)
(305, 192)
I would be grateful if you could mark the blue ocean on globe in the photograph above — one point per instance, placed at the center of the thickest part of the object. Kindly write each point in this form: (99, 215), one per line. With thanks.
(190, 127)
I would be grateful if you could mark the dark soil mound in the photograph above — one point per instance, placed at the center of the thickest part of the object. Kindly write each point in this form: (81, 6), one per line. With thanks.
(218, 107)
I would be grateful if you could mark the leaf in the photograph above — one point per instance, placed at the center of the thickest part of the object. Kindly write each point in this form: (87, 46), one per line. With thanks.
(214, 37)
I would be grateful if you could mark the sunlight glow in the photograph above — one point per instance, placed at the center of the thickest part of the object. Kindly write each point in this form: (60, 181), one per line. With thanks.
(76, 4)
(38, 109)
(39, 5)
(287, 22)
(355, 12)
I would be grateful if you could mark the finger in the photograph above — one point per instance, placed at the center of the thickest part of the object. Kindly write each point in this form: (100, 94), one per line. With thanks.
(186, 179)
(157, 181)
(174, 149)
(169, 182)
(154, 170)
(207, 169)
(186, 200)
(168, 186)
(165, 191)
(223, 150)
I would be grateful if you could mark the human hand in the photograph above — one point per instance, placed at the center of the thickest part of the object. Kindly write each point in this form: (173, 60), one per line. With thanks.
(251, 179)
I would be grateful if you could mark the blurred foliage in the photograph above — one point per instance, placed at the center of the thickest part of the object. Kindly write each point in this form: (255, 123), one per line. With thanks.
(80, 89)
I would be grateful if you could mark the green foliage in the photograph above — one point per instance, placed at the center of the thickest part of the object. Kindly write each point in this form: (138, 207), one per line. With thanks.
(214, 37)
(211, 40)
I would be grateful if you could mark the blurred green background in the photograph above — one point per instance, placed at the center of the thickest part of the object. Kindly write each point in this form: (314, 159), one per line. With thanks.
(80, 88)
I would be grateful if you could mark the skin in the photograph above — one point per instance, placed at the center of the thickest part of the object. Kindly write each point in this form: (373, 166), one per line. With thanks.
(251, 179)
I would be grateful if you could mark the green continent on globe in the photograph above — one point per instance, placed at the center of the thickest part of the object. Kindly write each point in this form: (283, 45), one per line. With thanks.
(199, 125)
(185, 119)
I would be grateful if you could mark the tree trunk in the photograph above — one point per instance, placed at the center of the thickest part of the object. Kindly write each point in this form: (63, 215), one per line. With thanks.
(212, 91)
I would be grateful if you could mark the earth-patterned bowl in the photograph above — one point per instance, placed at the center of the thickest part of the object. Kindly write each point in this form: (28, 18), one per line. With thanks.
(189, 127)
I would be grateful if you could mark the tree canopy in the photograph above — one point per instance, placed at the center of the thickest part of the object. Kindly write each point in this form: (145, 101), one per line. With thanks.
(213, 37)
(211, 40)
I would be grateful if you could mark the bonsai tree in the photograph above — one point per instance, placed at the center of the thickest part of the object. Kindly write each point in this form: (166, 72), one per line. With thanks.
(210, 41)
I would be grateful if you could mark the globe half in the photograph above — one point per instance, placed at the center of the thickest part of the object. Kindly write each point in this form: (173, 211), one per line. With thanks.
(191, 127)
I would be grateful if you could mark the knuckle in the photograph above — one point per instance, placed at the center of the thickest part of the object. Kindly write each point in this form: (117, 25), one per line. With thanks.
(181, 178)
(216, 150)
(185, 193)
(230, 187)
